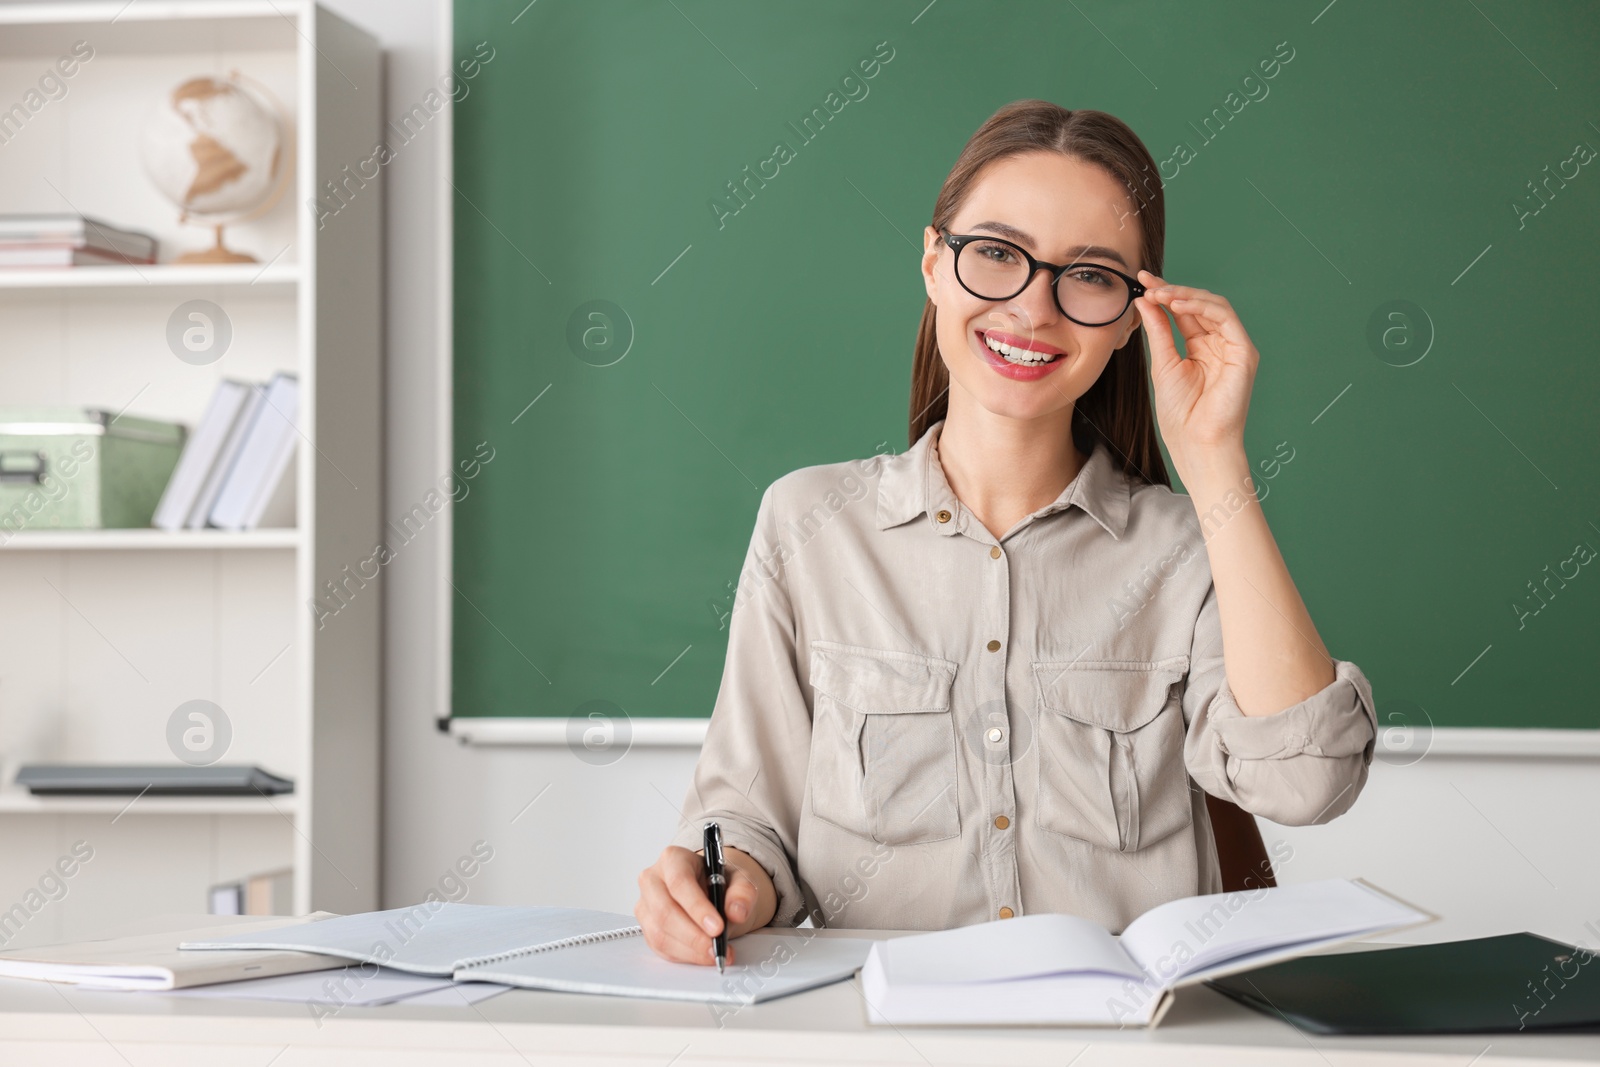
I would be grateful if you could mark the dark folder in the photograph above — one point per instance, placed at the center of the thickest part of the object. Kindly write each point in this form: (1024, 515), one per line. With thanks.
(1486, 985)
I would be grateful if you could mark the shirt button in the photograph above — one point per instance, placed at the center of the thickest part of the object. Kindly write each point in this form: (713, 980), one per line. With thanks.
(993, 646)
(1001, 822)
(1006, 913)
(997, 735)
(943, 516)
(994, 552)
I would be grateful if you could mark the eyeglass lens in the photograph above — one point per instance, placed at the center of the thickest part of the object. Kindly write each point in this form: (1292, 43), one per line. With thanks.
(994, 270)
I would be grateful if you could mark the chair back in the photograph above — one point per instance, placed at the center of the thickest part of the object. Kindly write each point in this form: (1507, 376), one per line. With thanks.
(1241, 853)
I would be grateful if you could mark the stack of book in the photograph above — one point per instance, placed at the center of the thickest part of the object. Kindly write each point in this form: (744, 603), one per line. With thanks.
(236, 471)
(69, 240)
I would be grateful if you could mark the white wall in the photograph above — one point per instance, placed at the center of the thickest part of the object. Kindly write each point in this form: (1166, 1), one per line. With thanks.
(1476, 839)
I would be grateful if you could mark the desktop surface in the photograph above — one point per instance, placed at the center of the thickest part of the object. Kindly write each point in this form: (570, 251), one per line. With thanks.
(43, 1023)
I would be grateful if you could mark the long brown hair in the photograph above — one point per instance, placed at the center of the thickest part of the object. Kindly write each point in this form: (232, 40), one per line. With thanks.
(1116, 409)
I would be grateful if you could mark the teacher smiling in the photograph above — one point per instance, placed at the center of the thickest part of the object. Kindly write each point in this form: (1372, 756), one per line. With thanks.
(996, 684)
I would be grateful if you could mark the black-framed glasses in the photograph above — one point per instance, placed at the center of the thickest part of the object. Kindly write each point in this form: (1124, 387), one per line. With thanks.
(1090, 294)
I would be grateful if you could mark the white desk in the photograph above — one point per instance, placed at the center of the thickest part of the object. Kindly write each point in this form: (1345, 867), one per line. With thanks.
(56, 1027)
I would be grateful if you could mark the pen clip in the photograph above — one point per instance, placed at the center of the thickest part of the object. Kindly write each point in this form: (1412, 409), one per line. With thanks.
(713, 844)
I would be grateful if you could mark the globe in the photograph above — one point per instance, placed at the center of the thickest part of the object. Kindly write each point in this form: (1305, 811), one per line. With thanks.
(215, 148)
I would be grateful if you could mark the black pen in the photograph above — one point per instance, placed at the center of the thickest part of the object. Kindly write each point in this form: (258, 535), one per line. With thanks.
(717, 882)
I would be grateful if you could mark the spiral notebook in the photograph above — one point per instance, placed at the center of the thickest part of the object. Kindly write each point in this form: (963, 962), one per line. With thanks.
(572, 950)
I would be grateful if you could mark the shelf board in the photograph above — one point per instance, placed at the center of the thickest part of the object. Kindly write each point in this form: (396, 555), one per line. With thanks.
(20, 802)
(269, 278)
(142, 539)
(151, 27)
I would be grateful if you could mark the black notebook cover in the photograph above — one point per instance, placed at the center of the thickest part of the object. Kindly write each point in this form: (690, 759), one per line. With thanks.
(1487, 985)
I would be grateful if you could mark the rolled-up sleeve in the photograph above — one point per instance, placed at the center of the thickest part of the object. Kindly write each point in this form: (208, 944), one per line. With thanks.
(750, 777)
(1304, 764)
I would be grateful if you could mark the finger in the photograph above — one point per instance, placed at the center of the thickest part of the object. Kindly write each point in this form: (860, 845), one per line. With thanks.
(1184, 292)
(1191, 328)
(1163, 353)
(1198, 311)
(1158, 292)
(1158, 286)
(1208, 301)
(670, 924)
(1186, 301)
(660, 912)
(1211, 315)
(679, 939)
(740, 901)
(1169, 295)
(683, 885)
(695, 950)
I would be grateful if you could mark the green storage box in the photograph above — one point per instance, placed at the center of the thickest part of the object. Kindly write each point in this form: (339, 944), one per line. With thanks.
(81, 469)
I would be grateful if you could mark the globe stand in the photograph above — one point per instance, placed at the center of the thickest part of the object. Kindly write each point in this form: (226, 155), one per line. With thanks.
(218, 253)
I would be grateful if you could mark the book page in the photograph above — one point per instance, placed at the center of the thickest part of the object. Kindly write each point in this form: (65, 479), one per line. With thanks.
(436, 938)
(1006, 949)
(1184, 937)
(1069, 999)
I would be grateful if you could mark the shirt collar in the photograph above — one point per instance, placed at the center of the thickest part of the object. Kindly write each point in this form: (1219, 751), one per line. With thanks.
(913, 484)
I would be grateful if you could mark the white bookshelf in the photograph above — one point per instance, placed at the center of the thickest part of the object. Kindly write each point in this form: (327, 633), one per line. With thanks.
(106, 632)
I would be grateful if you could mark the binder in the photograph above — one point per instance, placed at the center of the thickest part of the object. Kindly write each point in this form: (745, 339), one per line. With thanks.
(200, 454)
(263, 458)
(1510, 983)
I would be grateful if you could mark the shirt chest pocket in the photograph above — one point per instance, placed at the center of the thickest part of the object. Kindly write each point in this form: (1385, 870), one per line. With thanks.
(1111, 735)
(883, 744)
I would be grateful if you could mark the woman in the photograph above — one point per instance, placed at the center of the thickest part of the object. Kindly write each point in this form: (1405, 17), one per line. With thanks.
(978, 681)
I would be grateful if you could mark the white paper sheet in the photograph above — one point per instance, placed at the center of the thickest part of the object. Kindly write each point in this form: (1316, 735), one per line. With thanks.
(1196, 934)
(1006, 949)
(361, 986)
(459, 994)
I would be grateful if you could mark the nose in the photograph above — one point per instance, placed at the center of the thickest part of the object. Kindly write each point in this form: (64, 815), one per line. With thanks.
(1037, 301)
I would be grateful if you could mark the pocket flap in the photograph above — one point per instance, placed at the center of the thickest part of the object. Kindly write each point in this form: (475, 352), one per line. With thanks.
(1118, 695)
(881, 682)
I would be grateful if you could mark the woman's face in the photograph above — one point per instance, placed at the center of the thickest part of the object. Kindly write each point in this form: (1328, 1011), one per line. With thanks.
(1053, 206)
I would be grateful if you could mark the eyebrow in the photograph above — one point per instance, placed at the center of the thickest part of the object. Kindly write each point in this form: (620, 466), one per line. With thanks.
(1011, 233)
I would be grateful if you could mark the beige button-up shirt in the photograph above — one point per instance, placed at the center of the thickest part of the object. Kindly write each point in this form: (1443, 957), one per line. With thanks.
(920, 726)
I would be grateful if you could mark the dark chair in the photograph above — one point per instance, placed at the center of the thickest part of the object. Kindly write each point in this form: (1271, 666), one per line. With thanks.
(1240, 851)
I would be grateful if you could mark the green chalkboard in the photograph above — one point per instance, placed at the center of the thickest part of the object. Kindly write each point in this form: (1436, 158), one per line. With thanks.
(1394, 195)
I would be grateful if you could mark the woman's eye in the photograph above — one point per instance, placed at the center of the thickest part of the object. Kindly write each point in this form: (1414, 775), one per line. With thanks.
(1091, 277)
(997, 253)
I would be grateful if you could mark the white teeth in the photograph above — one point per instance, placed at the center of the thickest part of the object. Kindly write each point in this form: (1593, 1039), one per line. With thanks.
(1013, 354)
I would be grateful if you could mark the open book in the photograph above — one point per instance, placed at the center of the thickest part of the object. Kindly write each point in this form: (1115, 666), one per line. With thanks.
(1066, 970)
(572, 950)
